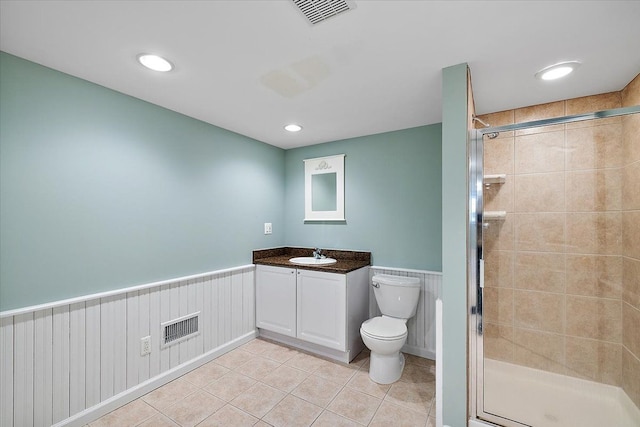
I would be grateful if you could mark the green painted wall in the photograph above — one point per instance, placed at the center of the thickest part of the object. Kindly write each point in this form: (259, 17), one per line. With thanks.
(392, 198)
(454, 244)
(101, 191)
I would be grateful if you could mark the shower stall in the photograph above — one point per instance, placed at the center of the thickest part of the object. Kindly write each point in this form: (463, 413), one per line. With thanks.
(554, 277)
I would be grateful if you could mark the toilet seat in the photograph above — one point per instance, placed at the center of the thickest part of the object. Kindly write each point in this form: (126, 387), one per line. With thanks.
(384, 328)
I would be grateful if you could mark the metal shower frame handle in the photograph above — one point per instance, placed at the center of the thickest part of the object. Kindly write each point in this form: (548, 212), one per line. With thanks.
(474, 255)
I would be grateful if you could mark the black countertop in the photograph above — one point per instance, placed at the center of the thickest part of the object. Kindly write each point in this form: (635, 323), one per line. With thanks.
(346, 260)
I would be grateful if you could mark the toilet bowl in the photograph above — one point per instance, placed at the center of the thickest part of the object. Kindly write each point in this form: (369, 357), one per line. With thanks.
(385, 335)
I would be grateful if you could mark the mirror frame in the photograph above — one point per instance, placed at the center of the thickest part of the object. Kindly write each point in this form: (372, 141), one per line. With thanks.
(322, 165)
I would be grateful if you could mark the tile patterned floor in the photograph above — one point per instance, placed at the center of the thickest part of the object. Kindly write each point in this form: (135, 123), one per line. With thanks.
(267, 384)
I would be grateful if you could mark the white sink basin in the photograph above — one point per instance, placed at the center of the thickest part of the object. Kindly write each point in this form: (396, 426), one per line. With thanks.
(309, 260)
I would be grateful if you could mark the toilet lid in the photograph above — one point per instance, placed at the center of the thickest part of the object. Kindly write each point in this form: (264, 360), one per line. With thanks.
(384, 327)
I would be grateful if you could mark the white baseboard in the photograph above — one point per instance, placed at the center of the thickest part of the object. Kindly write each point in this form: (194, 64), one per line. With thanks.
(340, 356)
(103, 408)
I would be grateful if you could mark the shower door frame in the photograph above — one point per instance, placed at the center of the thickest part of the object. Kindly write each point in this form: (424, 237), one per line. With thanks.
(476, 255)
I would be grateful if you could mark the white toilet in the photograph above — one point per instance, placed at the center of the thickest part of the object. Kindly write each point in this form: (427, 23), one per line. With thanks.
(385, 335)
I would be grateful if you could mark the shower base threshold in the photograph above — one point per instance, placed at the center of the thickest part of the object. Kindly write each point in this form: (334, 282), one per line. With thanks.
(539, 398)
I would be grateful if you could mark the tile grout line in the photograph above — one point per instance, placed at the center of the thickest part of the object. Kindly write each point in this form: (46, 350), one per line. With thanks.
(362, 367)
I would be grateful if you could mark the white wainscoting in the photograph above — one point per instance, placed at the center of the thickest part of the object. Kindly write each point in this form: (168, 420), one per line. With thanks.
(421, 340)
(71, 361)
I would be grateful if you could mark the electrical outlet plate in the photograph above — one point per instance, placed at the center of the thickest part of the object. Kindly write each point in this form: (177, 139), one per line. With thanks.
(267, 228)
(145, 346)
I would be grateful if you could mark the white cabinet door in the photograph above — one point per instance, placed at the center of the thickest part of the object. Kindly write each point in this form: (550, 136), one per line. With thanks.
(276, 299)
(322, 308)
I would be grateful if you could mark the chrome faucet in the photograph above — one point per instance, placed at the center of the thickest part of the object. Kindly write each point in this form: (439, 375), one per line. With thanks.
(317, 253)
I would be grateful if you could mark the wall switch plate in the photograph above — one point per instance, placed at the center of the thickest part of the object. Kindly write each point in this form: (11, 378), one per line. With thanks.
(267, 228)
(145, 346)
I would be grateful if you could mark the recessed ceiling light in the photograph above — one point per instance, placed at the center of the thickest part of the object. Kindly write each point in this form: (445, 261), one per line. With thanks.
(557, 71)
(293, 128)
(155, 62)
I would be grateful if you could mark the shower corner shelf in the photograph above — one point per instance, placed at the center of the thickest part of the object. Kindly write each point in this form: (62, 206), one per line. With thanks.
(494, 215)
(499, 178)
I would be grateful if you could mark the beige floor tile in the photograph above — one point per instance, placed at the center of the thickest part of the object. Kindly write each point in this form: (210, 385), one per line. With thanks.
(230, 386)
(205, 374)
(227, 416)
(134, 413)
(418, 374)
(305, 362)
(285, 378)
(293, 412)
(340, 374)
(280, 353)
(158, 421)
(329, 419)
(416, 397)
(317, 390)
(111, 419)
(258, 400)
(193, 409)
(258, 346)
(354, 405)
(130, 414)
(169, 394)
(361, 358)
(313, 384)
(432, 411)
(258, 368)
(420, 361)
(389, 414)
(361, 382)
(234, 358)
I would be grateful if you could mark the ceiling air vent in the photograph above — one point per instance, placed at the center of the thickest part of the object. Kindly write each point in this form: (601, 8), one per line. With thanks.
(319, 10)
(180, 329)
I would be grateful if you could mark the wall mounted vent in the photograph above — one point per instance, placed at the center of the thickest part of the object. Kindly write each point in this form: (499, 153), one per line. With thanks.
(320, 10)
(180, 329)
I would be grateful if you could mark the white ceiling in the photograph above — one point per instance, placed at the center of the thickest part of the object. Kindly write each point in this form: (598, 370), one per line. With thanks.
(374, 69)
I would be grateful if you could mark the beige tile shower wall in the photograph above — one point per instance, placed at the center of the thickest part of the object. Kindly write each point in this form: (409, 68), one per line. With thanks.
(630, 177)
(554, 268)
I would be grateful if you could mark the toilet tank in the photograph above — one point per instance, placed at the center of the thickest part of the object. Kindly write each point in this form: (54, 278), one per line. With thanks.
(397, 296)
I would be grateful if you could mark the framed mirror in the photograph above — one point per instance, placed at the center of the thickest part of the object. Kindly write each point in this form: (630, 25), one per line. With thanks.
(324, 188)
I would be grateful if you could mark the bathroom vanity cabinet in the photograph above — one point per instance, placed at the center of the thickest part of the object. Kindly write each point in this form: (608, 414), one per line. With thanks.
(322, 308)
(316, 311)
(276, 299)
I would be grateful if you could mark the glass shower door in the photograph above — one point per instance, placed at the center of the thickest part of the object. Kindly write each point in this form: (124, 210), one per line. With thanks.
(548, 202)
